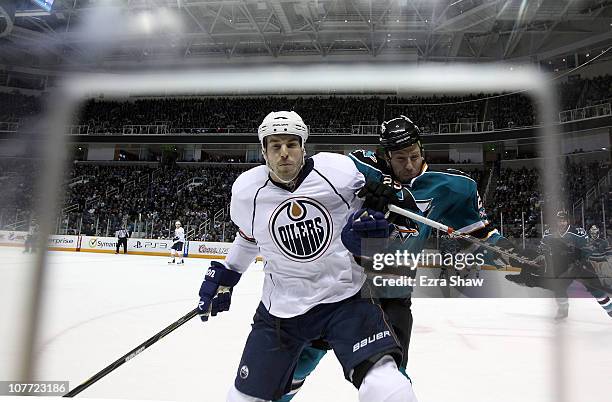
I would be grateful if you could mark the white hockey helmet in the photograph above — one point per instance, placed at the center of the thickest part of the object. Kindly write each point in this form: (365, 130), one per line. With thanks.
(282, 122)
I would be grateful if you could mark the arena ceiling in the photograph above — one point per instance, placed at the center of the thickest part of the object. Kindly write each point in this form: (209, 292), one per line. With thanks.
(133, 33)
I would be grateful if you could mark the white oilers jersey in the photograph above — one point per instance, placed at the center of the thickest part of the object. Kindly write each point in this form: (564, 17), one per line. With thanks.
(298, 233)
(180, 233)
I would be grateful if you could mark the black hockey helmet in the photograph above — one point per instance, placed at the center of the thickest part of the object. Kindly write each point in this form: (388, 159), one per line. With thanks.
(399, 133)
(562, 214)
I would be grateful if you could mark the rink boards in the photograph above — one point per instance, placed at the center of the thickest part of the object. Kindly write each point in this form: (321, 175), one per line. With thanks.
(100, 244)
(151, 247)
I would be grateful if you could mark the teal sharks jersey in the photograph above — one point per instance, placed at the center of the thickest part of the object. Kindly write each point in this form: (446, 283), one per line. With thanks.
(573, 235)
(449, 197)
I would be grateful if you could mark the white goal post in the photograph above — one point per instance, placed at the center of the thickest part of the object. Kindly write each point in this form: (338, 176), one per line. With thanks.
(327, 79)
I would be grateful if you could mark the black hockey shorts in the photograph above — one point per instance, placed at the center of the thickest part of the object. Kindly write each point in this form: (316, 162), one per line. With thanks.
(399, 314)
(355, 328)
(178, 246)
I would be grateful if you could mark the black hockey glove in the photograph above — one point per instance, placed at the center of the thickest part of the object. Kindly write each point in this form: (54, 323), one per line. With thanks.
(509, 246)
(530, 274)
(378, 196)
(560, 251)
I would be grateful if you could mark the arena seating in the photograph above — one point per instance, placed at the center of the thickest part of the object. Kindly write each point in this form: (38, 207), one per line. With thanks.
(149, 198)
(101, 197)
(323, 114)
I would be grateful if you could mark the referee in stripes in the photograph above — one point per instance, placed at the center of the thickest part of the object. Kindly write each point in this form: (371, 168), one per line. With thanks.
(122, 237)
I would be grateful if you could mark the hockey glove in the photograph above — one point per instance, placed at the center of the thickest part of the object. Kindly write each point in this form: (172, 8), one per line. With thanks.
(175, 238)
(216, 290)
(529, 273)
(561, 252)
(528, 254)
(365, 223)
(379, 195)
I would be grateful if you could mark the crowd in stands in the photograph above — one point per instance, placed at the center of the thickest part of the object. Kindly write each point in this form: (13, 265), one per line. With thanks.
(333, 114)
(598, 90)
(15, 106)
(17, 181)
(518, 191)
(217, 158)
(324, 114)
(577, 92)
(436, 110)
(151, 199)
(569, 93)
(102, 197)
(511, 111)
(99, 199)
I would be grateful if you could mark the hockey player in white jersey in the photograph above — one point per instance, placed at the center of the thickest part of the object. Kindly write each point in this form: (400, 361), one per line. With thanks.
(177, 244)
(295, 212)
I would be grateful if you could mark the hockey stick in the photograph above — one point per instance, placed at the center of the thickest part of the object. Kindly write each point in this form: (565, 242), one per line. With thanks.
(132, 353)
(449, 230)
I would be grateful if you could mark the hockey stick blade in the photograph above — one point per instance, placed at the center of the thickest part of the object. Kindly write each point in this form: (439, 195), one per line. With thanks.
(449, 230)
(132, 353)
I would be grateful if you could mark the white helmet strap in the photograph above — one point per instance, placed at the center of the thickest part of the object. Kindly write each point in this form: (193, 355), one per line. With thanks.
(273, 173)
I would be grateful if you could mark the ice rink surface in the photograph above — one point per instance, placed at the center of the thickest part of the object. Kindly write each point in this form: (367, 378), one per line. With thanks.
(99, 306)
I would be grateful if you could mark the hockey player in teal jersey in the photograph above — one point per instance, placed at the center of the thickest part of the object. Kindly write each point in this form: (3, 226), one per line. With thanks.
(600, 257)
(570, 256)
(450, 197)
(596, 244)
(571, 240)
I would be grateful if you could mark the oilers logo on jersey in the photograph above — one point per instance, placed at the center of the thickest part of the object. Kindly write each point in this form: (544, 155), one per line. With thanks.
(301, 229)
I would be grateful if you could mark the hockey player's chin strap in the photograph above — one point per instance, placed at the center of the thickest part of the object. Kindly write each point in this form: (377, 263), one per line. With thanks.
(452, 232)
(289, 182)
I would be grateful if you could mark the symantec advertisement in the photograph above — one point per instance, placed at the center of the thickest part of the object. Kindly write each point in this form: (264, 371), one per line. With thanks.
(102, 244)
(138, 246)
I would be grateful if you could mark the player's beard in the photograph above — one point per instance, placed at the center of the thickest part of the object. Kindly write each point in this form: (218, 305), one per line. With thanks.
(287, 179)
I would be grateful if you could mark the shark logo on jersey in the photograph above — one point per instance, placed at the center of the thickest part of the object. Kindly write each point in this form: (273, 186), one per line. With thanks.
(301, 228)
(371, 155)
(403, 233)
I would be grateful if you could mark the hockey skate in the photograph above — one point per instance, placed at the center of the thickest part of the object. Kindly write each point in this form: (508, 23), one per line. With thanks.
(518, 279)
(562, 313)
